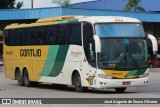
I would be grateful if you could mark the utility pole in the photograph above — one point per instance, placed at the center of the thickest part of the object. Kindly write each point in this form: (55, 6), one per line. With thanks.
(32, 4)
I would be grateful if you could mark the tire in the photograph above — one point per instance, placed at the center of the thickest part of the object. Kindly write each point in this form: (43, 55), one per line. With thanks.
(19, 78)
(120, 90)
(27, 82)
(77, 83)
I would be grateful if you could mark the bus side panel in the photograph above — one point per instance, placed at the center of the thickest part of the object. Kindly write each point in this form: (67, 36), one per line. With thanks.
(77, 62)
(56, 65)
(30, 57)
(9, 69)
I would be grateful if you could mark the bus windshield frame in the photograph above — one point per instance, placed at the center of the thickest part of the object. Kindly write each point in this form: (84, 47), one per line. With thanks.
(123, 52)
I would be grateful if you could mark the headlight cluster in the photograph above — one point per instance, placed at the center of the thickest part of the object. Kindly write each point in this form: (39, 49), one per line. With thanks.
(144, 75)
(105, 76)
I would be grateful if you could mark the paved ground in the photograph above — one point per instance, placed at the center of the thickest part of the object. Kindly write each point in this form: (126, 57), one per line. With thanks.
(10, 89)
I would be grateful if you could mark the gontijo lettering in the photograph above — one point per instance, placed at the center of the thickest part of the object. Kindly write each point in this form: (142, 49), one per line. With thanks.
(30, 52)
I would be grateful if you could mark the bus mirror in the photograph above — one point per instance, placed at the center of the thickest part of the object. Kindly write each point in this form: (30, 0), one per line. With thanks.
(97, 44)
(154, 42)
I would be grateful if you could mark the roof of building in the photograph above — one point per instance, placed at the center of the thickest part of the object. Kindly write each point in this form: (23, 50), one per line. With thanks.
(21, 14)
(148, 5)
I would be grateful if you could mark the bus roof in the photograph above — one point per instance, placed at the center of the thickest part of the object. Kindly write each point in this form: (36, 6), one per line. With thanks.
(107, 19)
(43, 22)
(68, 19)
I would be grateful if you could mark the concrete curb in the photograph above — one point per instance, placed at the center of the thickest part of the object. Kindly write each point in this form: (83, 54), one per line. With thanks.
(154, 69)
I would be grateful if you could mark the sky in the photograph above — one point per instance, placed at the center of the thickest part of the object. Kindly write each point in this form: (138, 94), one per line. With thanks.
(45, 3)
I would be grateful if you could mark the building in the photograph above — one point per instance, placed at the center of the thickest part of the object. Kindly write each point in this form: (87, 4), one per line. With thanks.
(118, 5)
(151, 20)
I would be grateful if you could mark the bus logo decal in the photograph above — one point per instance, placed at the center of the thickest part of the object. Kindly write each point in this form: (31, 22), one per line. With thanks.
(90, 80)
(30, 52)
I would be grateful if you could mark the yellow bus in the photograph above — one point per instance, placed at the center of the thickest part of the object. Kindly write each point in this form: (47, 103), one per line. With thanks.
(83, 51)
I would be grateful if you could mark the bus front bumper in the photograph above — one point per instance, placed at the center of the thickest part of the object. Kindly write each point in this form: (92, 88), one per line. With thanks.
(117, 83)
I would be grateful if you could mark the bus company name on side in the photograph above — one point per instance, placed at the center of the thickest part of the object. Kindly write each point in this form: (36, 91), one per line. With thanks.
(30, 52)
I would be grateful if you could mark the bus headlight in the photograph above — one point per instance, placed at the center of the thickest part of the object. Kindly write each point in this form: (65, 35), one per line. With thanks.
(105, 76)
(144, 75)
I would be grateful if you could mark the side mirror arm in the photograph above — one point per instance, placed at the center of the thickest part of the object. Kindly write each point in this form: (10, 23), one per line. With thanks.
(154, 47)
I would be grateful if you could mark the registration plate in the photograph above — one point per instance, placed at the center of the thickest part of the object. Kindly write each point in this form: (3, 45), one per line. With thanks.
(126, 83)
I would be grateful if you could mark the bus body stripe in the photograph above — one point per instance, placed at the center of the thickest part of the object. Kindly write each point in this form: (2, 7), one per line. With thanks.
(55, 60)
(136, 72)
(50, 60)
(60, 59)
(124, 74)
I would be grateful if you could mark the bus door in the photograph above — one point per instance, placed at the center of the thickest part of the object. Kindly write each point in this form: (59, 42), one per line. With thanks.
(89, 49)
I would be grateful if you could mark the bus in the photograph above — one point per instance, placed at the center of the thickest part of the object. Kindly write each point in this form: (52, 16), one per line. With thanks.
(83, 51)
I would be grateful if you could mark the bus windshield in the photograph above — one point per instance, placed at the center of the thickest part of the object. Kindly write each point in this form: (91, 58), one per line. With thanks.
(123, 54)
(118, 50)
(119, 30)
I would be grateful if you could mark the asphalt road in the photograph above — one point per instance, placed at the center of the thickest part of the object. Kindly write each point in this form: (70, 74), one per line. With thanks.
(10, 89)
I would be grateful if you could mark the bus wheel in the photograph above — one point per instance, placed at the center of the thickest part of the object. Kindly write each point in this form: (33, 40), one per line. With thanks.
(120, 90)
(77, 83)
(19, 78)
(27, 82)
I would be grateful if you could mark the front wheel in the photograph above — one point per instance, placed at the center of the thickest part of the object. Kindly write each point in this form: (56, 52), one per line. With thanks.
(77, 83)
(120, 90)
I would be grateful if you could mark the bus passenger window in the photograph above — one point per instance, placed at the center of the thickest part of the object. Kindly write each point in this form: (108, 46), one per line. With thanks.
(51, 37)
(58, 39)
(33, 37)
(39, 37)
(74, 31)
(46, 37)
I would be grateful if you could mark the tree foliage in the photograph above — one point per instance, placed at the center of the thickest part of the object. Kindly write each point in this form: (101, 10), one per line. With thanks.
(134, 4)
(19, 5)
(63, 3)
(10, 4)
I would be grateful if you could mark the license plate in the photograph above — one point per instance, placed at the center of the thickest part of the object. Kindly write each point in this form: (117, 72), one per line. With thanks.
(126, 83)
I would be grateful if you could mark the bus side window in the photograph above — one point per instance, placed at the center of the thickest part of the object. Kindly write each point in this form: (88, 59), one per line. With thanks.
(51, 37)
(75, 33)
(12, 37)
(33, 37)
(89, 45)
(7, 33)
(61, 34)
(46, 36)
(19, 35)
(28, 36)
(58, 38)
(40, 37)
(8, 39)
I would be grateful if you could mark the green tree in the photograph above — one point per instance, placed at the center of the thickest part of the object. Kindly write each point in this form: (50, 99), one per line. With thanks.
(63, 3)
(19, 5)
(134, 4)
(10, 4)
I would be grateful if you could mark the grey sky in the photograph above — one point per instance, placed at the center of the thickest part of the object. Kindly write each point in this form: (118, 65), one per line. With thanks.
(45, 3)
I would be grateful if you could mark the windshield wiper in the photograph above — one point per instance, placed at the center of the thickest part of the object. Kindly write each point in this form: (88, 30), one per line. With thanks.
(126, 53)
(133, 60)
